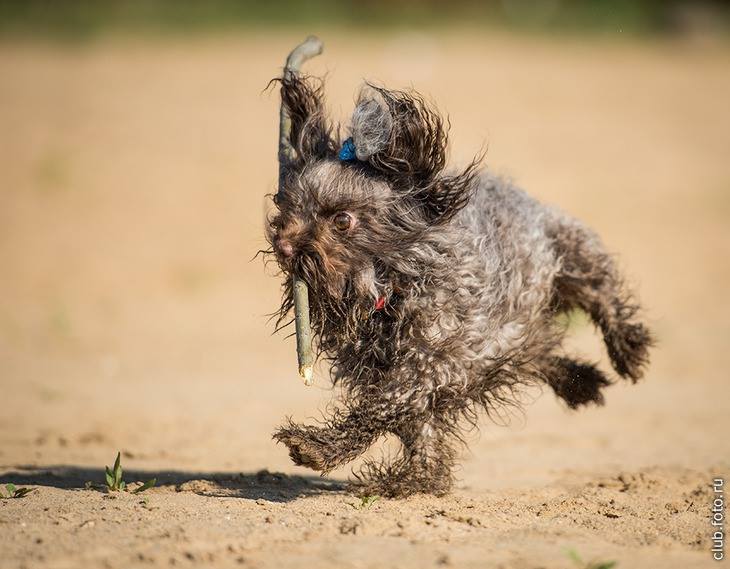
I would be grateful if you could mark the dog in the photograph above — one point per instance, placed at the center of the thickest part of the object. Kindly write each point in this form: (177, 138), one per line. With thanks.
(434, 295)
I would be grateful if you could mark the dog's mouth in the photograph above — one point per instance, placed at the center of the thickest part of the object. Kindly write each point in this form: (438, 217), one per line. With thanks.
(331, 278)
(322, 279)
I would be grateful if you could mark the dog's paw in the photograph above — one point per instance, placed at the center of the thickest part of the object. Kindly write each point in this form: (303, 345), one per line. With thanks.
(398, 487)
(305, 449)
(577, 383)
(399, 480)
(628, 347)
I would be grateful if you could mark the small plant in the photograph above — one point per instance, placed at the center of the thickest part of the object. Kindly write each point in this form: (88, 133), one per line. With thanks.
(114, 476)
(366, 502)
(116, 483)
(146, 486)
(14, 492)
(573, 556)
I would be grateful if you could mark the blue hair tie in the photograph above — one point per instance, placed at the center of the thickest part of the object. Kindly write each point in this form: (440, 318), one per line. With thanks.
(347, 152)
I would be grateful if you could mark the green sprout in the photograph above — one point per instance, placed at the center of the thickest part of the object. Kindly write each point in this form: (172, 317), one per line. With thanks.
(573, 556)
(146, 486)
(115, 481)
(366, 502)
(14, 492)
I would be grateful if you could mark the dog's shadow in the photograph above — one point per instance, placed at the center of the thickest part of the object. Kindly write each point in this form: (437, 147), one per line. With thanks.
(261, 485)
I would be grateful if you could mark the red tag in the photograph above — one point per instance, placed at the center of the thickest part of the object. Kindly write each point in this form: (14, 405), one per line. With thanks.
(380, 303)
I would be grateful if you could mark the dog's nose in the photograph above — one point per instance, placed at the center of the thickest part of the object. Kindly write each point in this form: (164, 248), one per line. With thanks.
(285, 247)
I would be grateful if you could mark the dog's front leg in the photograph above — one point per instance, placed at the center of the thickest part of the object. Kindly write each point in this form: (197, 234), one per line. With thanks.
(336, 441)
(424, 464)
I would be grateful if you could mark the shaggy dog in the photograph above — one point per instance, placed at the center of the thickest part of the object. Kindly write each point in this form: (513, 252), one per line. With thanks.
(433, 295)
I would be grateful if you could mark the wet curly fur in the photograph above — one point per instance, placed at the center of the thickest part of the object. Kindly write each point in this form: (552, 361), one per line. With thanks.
(473, 273)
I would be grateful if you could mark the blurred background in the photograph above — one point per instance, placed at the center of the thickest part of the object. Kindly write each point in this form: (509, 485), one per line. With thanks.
(137, 142)
(83, 19)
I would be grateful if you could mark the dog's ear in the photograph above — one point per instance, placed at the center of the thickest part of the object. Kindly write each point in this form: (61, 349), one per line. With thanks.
(399, 134)
(401, 137)
(311, 132)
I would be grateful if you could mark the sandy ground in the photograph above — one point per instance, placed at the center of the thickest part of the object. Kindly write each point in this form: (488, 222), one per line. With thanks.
(132, 178)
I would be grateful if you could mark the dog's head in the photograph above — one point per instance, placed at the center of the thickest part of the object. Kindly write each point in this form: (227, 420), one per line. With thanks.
(348, 212)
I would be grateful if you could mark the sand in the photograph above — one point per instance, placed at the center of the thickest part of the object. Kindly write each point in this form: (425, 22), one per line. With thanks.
(132, 318)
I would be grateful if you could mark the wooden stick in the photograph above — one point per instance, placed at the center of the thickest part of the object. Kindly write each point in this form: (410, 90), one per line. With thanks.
(304, 330)
(309, 48)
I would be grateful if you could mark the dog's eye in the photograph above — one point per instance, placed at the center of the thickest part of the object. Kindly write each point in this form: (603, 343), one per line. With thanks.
(342, 221)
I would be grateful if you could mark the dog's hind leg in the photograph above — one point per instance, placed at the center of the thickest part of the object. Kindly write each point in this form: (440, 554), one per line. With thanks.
(589, 280)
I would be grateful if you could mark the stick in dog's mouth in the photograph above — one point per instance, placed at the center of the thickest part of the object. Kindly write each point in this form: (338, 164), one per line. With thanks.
(309, 48)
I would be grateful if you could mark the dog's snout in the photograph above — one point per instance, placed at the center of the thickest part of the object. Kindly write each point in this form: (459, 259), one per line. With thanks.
(285, 247)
